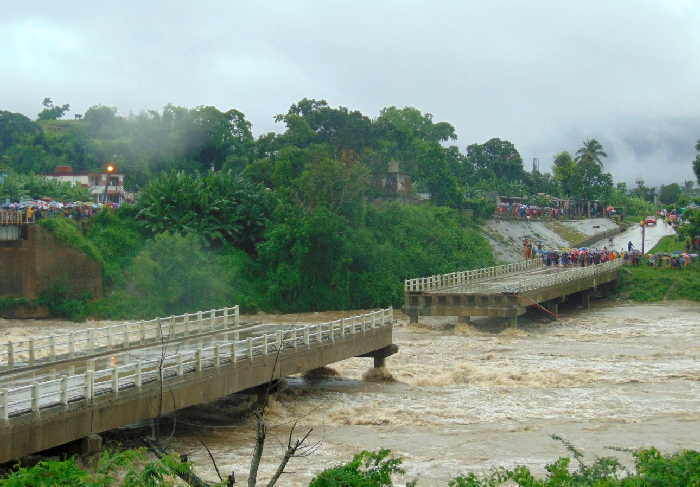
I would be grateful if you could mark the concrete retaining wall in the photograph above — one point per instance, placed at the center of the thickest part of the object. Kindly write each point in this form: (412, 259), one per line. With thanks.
(41, 261)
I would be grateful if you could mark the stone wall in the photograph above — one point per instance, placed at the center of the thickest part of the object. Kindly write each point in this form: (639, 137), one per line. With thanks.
(41, 261)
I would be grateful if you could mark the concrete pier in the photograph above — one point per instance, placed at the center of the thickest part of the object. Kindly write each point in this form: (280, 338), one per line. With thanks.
(504, 291)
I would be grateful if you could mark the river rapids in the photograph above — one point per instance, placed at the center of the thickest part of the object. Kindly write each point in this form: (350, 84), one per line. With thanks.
(471, 398)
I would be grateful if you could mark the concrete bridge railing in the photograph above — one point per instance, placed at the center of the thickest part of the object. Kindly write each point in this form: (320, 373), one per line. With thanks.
(15, 217)
(89, 341)
(559, 278)
(70, 389)
(441, 281)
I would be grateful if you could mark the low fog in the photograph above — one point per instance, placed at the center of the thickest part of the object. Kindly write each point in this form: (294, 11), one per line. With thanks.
(544, 75)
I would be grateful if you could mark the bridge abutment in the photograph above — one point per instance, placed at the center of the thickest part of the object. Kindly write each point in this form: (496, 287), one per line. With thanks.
(91, 444)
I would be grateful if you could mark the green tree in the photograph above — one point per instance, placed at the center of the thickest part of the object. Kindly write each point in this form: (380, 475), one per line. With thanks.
(174, 274)
(591, 152)
(15, 129)
(644, 192)
(101, 120)
(51, 111)
(564, 168)
(590, 182)
(669, 193)
(696, 162)
(334, 185)
(219, 206)
(496, 158)
(367, 469)
(314, 121)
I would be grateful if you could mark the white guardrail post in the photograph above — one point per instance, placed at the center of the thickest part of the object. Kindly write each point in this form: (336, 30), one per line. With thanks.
(4, 404)
(35, 397)
(64, 390)
(132, 374)
(10, 354)
(138, 378)
(89, 384)
(89, 340)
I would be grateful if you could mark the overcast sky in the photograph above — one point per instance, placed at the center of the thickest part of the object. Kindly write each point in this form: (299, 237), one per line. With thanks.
(544, 74)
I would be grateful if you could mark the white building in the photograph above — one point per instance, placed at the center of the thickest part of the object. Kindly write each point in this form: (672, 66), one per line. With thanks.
(105, 186)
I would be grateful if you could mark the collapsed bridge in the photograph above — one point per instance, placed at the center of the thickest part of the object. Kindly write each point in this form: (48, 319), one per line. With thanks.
(507, 290)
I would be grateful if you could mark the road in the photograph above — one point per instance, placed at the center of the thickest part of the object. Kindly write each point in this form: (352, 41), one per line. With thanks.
(652, 235)
(505, 282)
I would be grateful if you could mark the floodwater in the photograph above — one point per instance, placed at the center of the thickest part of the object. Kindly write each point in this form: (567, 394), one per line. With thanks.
(471, 398)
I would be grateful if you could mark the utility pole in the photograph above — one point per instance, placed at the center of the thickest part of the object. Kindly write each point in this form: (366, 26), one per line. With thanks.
(644, 227)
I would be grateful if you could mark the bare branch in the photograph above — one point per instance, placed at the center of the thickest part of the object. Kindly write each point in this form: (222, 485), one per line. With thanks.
(260, 433)
(211, 457)
(292, 451)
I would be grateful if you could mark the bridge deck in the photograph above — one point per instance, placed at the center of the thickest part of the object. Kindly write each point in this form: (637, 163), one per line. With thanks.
(503, 291)
(36, 415)
(503, 283)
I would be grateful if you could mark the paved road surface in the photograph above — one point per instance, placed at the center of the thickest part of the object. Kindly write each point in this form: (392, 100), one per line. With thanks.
(652, 235)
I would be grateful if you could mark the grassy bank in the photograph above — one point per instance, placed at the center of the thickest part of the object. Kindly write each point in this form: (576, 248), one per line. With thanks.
(667, 244)
(571, 235)
(652, 284)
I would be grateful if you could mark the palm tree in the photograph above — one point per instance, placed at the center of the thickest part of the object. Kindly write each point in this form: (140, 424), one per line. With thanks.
(591, 151)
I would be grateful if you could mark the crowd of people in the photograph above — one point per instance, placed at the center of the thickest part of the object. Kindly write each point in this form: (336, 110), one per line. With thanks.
(571, 257)
(527, 212)
(32, 210)
(582, 257)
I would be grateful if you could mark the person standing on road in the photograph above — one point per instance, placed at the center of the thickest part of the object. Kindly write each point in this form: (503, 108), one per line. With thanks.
(629, 246)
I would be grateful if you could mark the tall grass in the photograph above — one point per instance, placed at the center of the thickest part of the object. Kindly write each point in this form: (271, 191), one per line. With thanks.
(651, 284)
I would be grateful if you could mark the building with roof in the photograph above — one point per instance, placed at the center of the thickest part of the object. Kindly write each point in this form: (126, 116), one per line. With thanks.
(106, 186)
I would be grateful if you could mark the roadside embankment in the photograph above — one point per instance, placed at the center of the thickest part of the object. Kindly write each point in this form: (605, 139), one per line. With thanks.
(506, 236)
(653, 284)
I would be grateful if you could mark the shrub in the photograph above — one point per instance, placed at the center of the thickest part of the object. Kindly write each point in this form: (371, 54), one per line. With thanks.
(127, 468)
(649, 284)
(64, 304)
(316, 260)
(118, 238)
(367, 469)
(68, 232)
(220, 207)
(173, 274)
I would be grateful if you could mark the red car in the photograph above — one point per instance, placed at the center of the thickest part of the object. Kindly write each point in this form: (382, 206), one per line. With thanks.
(650, 220)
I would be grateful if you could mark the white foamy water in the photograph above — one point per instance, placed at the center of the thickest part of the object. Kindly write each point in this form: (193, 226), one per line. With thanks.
(470, 399)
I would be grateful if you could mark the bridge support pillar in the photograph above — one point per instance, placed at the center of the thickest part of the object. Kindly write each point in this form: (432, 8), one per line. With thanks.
(91, 444)
(413, 316)
(586, 300)
(381, 354)
(514, 321)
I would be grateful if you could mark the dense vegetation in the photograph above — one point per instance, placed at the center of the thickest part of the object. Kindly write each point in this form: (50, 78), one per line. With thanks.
(379, 469)
(16, 186)
(651, 284)
(290, 221)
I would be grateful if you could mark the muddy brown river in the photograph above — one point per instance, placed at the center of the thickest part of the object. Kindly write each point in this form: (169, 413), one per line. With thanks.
(471, 398)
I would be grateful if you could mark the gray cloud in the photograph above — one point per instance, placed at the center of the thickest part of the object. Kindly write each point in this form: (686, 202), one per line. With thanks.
(543, 74)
